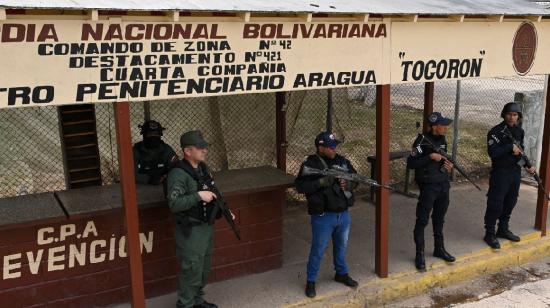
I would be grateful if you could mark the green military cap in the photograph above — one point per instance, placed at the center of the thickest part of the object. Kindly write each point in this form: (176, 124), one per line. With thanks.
(193, 138)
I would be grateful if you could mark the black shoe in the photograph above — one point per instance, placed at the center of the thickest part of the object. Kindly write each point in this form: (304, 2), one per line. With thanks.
(205, 304)
(491, 240)
(507, 234)
(346, 279)
(310, 289)
(419, 260)
(440, 252)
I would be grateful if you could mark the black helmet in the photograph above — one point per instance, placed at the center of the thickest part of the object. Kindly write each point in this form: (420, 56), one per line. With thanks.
(151, 126)
(511, 107)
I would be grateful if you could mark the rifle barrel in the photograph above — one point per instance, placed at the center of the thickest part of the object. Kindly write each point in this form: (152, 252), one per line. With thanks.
(354, 177)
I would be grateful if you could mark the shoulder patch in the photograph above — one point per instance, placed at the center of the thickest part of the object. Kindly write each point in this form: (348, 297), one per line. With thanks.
(176, 192)
(414, 152)
(491, 142)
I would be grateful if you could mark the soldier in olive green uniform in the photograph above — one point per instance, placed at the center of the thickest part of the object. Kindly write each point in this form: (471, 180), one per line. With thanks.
(191, 202)
(152, 157)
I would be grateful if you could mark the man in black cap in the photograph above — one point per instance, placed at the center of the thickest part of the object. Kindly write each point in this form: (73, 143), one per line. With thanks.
(191, 200)
(328, 200)
(432, 176)
(506, 161)
(152, 157)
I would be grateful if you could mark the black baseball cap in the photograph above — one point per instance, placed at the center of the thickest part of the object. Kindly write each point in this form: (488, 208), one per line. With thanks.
(436, 118)
(327, 139)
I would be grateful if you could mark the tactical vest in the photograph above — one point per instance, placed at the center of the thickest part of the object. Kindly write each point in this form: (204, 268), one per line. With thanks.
(204, 181)
(328, 199)
(433, 172)
(152, 160)
(508, 160)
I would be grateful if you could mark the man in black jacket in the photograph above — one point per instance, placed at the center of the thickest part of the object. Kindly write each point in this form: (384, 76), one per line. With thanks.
(328, 200)
(153, 158)
(506, 160)
(432, 176)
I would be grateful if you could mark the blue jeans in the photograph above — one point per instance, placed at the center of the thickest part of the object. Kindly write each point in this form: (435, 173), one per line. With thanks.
(323, 227)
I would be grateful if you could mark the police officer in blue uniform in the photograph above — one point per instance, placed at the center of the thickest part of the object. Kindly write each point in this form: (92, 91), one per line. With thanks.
(432, 176)
(506, 160)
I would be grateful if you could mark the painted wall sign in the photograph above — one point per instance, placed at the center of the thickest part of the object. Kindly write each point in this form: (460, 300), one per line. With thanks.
(78, 61)
(431, 51)
(64, 246)
(524, 48)
(66, 62)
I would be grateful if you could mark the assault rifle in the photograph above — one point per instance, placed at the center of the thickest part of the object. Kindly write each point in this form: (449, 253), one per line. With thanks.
(441, 152)
(526, 159)
(220, 206)
(344, 175)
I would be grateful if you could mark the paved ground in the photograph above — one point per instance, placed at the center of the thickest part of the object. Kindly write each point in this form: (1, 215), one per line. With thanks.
(535, 294)
(284, 286)
(525, 286)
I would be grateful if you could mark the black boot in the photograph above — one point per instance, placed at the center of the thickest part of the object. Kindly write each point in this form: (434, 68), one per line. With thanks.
(507, 234)
(491, 240)
(346, 279)
(419, 260)
(440, 252)
(310, 289)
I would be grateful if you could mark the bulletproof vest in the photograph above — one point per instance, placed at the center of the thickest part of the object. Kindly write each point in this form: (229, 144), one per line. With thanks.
(151, 160)
(328, 199)
(204, 181)
(508, 160)
(433, 172)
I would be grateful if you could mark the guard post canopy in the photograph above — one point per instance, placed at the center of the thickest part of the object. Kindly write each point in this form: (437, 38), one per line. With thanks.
(74, 52)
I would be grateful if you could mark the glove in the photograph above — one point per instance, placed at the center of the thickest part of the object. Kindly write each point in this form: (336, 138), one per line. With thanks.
(326, 181)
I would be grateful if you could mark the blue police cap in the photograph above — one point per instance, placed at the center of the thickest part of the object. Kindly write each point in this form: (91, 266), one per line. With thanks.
(436, 118)
(327, 139)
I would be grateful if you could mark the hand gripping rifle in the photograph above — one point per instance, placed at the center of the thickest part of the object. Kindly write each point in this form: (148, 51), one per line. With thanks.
(441, 152)
(526, 159)
(344, 175)
(221, 206)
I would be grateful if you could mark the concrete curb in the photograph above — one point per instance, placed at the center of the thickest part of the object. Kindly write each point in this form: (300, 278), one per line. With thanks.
(407, 284)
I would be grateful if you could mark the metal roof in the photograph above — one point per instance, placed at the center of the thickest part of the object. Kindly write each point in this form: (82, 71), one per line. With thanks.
(432, 7)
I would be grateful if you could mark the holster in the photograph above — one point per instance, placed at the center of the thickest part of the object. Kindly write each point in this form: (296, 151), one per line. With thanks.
(186, 225)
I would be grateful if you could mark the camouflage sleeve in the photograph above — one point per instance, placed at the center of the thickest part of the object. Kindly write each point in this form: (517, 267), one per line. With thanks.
(172, 156)
(306, 184)
(170, 159)
(180, 199)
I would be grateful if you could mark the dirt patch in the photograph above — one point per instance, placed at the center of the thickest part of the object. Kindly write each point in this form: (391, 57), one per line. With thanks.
(441, 301)
(488, 286)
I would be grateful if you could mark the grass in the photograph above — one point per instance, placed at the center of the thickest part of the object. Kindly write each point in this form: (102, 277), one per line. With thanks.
(357, 127)
(30, 156)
